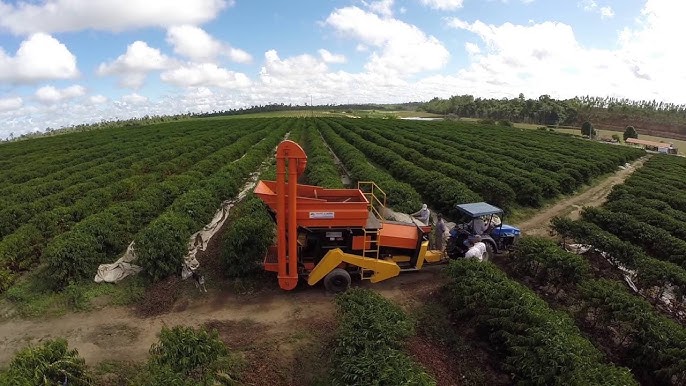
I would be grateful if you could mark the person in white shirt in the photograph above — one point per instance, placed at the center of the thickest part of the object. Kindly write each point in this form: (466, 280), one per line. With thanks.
(441, 233)
(480, 246)
(479, 226)
(423, 214)
(474, 252)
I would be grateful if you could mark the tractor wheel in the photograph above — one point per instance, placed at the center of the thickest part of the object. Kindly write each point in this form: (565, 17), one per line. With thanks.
(488, 256)
(337, 280)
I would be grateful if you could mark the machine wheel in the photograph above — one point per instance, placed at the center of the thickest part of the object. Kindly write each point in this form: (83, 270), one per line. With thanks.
(337, 280)
(489, 252)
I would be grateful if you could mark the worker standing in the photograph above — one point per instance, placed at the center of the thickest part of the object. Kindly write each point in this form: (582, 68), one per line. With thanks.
(423, 214)
(441, 231)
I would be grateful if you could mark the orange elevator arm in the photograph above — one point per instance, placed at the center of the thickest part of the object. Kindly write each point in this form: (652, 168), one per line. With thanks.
(288, 152)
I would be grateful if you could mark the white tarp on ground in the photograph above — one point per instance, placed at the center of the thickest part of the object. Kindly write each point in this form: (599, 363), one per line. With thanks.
(123, 267)
(580, 249)
(115, 272)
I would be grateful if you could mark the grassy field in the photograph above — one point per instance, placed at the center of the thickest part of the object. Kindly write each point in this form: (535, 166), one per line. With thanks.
(335, 113)
(681, 145)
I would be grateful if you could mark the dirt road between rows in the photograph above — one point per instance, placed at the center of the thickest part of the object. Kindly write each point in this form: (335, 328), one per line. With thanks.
(571, 207)
(118, 333)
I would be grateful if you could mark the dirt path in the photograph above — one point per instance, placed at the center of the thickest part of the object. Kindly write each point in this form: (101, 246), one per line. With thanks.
(571, 207)
(117, 333)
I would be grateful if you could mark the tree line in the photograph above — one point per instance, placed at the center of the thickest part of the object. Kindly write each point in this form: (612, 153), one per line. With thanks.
(549, 111)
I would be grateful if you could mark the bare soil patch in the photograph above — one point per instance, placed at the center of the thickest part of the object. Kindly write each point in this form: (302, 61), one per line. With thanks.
(159, 298)
(114, 335)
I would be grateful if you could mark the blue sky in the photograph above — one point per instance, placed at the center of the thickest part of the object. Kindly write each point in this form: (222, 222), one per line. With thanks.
(65, 62)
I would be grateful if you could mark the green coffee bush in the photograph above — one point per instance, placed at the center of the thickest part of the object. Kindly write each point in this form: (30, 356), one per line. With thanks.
(247, 239)
(71, 256)
(187, 356)
(160, 247)
(50, 364)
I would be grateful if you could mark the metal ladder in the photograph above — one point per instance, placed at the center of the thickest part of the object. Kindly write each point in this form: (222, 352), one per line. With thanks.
(371, 250)
(377, 202)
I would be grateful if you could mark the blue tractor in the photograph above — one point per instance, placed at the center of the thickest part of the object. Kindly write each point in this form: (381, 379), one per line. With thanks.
(485, 220)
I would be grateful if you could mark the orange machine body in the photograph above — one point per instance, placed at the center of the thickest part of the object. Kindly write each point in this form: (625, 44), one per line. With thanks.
(333, 218)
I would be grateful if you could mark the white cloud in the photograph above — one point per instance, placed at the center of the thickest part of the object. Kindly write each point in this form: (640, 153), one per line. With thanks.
(472, 48)
(98, 99)
(328, 57)
(193, 42)
(404, 48)
(606, 12)
(381, 7)
(9, 104)
(588, 5)
(197, 45)
(205, 74)
(297, 67)
(50, 95)
(40, 57)
(546, 58)
(443, 5)
(74, 15)
(134, 99)
(502, 61)
(239, 56)
(134, 65)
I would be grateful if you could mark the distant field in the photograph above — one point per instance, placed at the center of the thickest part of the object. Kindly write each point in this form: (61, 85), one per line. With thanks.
(332, 113)
(681, 145)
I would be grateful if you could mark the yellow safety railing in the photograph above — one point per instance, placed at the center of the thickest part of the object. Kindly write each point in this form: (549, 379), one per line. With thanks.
(375, 196)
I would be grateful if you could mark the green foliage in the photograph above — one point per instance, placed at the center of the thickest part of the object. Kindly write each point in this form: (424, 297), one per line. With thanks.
(21, 248)
(656, 345)
(75, 297)
(369, 339)
(188, 356)
(246, 241)
(110, 235)
(587, 129)
(546, 263)
(185, 349)
(650, 272)
(616, 137)
(654, 240)
(71, 256)
(401, 196)
(50, 364)
(160, 247)
(539, 346)
(630, 132)
(321, 170)
(89, 187)
(198, 205)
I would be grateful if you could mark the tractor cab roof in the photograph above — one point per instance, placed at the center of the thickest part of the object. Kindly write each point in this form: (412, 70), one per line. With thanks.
(478, 209)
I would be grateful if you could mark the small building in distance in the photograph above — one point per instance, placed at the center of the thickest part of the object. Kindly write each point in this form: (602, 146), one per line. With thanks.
(660, 147)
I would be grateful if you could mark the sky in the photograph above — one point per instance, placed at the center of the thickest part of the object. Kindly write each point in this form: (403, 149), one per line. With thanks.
(65, 62)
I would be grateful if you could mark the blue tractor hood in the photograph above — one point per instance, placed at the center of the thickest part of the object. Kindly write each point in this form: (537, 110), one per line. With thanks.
(505, 231)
